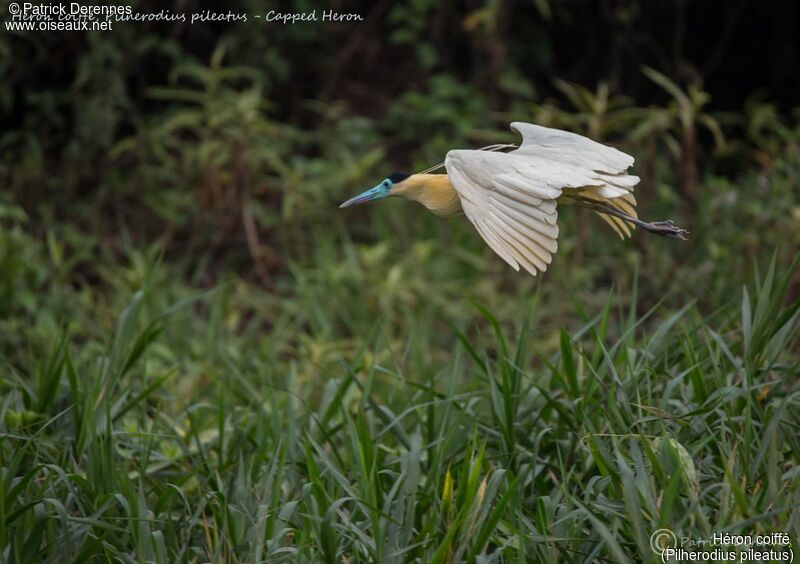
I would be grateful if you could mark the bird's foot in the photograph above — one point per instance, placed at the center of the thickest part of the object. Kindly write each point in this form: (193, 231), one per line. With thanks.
(667, 229)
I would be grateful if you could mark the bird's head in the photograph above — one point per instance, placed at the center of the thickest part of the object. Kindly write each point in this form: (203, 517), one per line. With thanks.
(382, 190)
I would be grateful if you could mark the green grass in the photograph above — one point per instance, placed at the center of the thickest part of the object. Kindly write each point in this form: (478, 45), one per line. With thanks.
(158, 423)
(395, 393)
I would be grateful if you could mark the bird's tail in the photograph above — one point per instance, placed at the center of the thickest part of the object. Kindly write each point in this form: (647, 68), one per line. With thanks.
(625, 204)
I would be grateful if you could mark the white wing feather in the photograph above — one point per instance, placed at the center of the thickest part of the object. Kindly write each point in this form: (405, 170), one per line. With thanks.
(570, 148)
(510, 198)
(512, 207)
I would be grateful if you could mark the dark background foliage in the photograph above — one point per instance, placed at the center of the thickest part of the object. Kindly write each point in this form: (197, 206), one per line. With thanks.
(100, 117)
(80, 93)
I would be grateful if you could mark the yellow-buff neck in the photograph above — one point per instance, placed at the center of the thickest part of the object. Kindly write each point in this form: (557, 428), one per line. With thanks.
(433, 191)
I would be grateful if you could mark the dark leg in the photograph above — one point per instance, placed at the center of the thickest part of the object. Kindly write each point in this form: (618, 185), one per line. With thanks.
(663, 228)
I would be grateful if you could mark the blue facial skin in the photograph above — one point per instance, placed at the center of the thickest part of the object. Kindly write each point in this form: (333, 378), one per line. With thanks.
(376, 193)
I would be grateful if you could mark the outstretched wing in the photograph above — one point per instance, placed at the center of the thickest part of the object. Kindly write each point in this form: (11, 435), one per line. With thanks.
(513, 210)
(570, 148)
(607, 167)
(510, 198)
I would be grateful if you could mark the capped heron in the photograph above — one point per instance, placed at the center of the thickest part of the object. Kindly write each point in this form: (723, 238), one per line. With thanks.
(512, 197)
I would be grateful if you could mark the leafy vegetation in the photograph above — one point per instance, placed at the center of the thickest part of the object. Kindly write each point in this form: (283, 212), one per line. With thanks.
(159, 424)
(203, 359)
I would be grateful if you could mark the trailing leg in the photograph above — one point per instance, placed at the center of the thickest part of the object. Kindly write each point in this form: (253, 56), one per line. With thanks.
(663, 228)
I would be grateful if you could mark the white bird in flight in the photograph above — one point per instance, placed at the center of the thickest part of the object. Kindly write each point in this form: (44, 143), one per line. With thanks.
(512, 197)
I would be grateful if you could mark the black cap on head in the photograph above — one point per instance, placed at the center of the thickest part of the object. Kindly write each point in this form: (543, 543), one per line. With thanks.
(396, 177)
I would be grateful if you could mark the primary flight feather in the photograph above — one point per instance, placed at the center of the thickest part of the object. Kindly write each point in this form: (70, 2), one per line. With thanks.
(512, 197)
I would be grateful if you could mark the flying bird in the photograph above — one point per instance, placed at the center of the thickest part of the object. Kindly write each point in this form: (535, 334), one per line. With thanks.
(512, 196)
